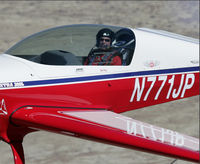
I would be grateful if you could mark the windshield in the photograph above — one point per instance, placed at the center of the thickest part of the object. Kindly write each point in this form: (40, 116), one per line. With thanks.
(66, 45)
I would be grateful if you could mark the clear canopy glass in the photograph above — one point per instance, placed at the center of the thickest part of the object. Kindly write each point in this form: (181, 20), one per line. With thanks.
(74, 40)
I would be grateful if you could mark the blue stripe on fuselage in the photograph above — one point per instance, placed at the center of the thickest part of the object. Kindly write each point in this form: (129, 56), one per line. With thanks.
(110, 76)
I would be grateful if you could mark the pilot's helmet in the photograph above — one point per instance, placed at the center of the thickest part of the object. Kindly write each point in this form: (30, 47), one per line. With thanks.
(105, 32)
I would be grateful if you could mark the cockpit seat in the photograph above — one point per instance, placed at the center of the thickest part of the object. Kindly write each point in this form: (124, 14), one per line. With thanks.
(58, 57)
(125, 39)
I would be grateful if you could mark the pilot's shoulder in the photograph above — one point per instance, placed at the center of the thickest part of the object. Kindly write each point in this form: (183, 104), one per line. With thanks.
(95, 49)
(117, 49)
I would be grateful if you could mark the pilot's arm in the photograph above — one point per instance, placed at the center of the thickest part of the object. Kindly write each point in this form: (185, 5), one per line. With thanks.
(89, 57)
(116, 61)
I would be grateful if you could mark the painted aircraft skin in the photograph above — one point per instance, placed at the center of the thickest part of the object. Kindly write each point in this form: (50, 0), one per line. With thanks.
(85, 101)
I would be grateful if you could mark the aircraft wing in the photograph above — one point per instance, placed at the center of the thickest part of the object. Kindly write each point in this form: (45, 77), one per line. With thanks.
(108, 127)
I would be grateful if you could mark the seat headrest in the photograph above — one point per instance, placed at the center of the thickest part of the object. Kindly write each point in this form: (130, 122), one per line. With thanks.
(59, 57)
(124, 37)
(52, 58)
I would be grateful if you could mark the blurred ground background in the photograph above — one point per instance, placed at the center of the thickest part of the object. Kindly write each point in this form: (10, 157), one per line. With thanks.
(19, 19)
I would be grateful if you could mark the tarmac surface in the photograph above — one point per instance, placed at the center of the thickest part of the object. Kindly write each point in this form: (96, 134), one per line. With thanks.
(22, 18)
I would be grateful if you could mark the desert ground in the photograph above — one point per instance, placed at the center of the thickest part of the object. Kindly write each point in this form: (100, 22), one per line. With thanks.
(19, 19)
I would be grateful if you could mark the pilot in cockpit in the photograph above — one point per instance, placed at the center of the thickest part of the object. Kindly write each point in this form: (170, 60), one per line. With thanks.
(103, 53)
